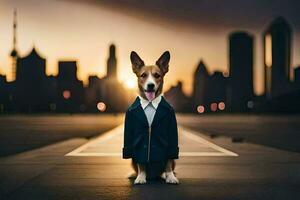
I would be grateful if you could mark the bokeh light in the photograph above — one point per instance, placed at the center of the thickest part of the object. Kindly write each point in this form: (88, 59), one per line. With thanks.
(101, 106)
(200, 109)
(66, 94)
(250, 104)
(213, 107)
(130, 83)
(221, 105)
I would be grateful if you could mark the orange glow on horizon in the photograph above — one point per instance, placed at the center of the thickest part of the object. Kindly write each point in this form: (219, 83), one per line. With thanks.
(130, 83)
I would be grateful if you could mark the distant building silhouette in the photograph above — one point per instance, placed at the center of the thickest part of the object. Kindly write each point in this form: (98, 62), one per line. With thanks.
(240, 70)
(30, 83)
(34, 91)
(14, 53)
(200, 84)
(217, 88)
(208, 89)
(93, 93)
(277, 57)
(70, 96)
(4, 93)
(178, 99)
(297, 77)
(51, 93)
(107, 89)
(2, 80)
(112, 63)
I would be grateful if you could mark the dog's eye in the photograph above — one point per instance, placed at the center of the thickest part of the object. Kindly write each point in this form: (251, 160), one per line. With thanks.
(156, 75)
(143, 75)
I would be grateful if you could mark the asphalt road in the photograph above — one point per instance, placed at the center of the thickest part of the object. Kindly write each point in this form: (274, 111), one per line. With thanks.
(76, 165)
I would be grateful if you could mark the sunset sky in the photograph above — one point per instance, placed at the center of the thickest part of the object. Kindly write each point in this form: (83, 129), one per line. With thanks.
(194, 30)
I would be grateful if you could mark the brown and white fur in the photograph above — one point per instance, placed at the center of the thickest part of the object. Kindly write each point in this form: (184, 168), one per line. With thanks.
(151, 78)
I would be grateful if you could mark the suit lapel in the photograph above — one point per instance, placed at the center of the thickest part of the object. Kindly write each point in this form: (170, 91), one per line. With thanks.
(140, 114)
(160, 113)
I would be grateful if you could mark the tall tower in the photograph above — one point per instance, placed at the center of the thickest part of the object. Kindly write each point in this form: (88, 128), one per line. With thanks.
(277, 57)
(14, 52)
(112, 63)
(241, 70)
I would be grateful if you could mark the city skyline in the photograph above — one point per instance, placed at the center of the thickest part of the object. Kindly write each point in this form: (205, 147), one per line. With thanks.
(35, 28)
(34, 91)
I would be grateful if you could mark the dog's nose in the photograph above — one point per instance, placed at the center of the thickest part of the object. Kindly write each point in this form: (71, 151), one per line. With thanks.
(150, 86)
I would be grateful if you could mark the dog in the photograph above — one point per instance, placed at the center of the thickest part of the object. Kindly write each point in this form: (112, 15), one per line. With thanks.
(150, 133)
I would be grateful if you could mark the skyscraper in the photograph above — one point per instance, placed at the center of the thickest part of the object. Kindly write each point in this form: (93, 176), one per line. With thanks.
(217, 88)
(67, 71)
(201, 78)
(277, 57)
(69, 88)
(31, 68)
(30, 82)
(112, 63)
(240, 71)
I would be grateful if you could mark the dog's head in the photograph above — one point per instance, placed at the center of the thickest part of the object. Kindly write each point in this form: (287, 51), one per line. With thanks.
(150, 77)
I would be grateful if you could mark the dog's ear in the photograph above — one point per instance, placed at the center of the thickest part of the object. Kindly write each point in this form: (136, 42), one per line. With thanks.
(163, 62)
(136, 62)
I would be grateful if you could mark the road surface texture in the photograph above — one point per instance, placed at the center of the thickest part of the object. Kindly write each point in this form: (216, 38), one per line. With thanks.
(78, 157)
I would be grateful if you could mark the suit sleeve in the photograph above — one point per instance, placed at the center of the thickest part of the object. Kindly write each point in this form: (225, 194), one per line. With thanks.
(128, 132)
(173, 149)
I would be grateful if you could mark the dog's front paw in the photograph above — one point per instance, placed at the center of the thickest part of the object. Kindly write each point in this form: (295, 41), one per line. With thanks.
(163, 175)
(171, 178)
(133, 175)
(140, 179)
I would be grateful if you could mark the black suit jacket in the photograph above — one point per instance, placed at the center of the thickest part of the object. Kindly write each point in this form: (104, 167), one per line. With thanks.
(150, 144)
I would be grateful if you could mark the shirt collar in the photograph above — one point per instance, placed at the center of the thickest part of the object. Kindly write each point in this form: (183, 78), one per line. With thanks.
(155, 102)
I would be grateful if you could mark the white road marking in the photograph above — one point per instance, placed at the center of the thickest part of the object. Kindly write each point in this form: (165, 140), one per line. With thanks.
(100, 139)
(110, 144)
(193, 136)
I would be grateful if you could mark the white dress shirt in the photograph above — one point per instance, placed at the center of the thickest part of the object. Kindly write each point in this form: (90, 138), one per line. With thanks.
(150, 107)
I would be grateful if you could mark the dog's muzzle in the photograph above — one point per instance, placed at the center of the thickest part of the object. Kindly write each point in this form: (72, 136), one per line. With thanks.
(150, 92)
